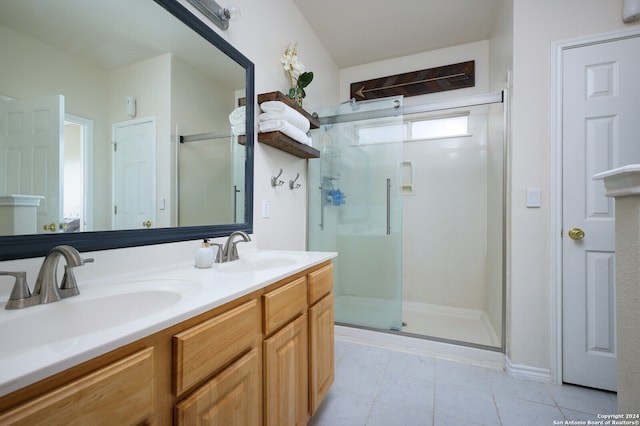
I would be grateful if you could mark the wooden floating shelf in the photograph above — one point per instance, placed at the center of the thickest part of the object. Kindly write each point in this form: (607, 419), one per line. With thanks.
(284, 143)
(281, 141)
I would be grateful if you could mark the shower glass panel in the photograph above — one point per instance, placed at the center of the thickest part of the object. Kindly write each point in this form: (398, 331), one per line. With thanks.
(355, 197)
(453, 220)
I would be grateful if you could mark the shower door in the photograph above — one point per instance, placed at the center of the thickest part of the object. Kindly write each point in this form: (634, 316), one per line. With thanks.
(355, 209)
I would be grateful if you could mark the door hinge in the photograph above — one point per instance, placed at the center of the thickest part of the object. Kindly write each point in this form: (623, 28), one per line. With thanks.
(115, 209)
(115, 146)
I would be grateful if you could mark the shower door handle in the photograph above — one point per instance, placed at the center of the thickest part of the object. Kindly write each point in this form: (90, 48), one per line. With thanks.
(321, 208)
(388, 206)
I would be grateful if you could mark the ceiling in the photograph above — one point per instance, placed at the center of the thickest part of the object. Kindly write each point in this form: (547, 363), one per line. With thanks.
(357, 32)
(86, 30)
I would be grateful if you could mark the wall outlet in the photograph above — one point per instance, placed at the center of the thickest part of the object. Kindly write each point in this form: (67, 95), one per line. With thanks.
(533, 197)
(266, 209)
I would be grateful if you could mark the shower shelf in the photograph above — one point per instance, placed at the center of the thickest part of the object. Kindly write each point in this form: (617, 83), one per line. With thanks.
(281, 141)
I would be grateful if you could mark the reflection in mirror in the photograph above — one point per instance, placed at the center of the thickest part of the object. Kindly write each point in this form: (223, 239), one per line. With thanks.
(122, 115)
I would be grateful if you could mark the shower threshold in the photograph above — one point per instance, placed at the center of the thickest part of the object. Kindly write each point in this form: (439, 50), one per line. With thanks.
(457, 326)
(444, 322)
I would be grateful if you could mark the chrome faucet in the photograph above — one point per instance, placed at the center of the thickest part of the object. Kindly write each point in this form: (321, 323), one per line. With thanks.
(229, 251)
(46, 289)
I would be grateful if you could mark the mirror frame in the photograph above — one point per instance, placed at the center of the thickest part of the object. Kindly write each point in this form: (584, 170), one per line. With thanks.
(26, 246)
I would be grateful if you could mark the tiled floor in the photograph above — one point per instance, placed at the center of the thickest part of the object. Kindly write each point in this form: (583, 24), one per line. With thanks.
(380, 386)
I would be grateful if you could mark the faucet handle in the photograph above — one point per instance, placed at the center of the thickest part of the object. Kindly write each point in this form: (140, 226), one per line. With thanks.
(20, 288)
(219, 258)
(234, 250)
(69, 285)
(20, 292)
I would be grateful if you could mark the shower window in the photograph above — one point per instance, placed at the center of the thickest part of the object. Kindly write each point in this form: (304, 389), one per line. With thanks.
(439, 127)
(369, 135)
(421, 129)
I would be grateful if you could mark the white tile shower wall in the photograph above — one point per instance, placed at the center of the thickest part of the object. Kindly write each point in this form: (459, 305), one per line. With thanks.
(444, 248)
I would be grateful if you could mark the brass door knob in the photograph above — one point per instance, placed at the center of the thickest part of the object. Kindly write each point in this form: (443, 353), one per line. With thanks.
(576, 233)
(50, 227)
(147, 224)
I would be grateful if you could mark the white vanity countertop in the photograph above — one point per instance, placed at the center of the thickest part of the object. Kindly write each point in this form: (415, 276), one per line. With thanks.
(201, 290)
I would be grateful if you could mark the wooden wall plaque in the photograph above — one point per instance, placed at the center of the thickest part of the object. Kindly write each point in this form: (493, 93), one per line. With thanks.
(431, 80)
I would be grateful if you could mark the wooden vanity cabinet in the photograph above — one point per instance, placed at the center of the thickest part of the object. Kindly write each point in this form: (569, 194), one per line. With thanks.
(264, 358)
(299, 358)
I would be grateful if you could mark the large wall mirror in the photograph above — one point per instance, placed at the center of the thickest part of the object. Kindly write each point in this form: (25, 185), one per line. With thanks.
(122, 123)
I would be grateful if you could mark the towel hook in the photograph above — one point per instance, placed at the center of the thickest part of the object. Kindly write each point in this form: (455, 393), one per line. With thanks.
(275, 181)
(292, 183)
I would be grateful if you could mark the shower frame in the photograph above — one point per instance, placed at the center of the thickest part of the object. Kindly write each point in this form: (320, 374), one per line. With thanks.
(461, 102)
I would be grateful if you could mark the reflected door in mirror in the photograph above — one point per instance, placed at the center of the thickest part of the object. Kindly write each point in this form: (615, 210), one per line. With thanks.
(31, 149)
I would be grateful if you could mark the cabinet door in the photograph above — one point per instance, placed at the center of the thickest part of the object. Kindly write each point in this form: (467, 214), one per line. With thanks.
(230, 398)
(119, 394)
(286, 375)
(321, 368)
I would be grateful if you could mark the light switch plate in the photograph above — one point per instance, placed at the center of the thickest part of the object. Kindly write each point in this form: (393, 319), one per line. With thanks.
(533, 197)
(266, 209)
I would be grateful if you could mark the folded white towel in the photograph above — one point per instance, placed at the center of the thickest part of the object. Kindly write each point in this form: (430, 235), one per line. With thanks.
(277, 110)
(238, 129)
(237, 116)
(285, 127)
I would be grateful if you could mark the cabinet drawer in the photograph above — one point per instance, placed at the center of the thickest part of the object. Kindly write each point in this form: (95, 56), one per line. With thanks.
(320, 283)
(121, 392)
(230, 398)
(283, 304)
(202, 350)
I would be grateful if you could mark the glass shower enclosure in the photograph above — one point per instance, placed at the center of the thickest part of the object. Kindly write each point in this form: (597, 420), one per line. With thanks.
(355, 208)
(412, 197)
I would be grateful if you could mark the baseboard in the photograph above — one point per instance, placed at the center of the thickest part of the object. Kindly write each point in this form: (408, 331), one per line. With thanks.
(526, 372)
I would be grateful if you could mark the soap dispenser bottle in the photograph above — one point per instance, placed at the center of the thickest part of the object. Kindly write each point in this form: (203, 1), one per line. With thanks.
(204, 255)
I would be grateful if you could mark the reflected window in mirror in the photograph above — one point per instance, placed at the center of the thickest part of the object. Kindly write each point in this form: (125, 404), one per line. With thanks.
(109, 114)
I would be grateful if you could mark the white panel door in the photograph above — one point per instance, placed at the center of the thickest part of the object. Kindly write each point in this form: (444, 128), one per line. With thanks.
(600, 125)
(134, 174)
(31, 154)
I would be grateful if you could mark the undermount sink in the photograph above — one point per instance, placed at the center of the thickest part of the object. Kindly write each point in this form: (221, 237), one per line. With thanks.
(256, 263)
(93, 310)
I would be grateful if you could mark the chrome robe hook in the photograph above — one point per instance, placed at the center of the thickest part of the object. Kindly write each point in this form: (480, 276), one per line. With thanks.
(292, 183)
(275, 180)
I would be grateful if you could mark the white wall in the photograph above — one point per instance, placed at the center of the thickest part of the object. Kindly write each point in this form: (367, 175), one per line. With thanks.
(265, 29)
(536, 24)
